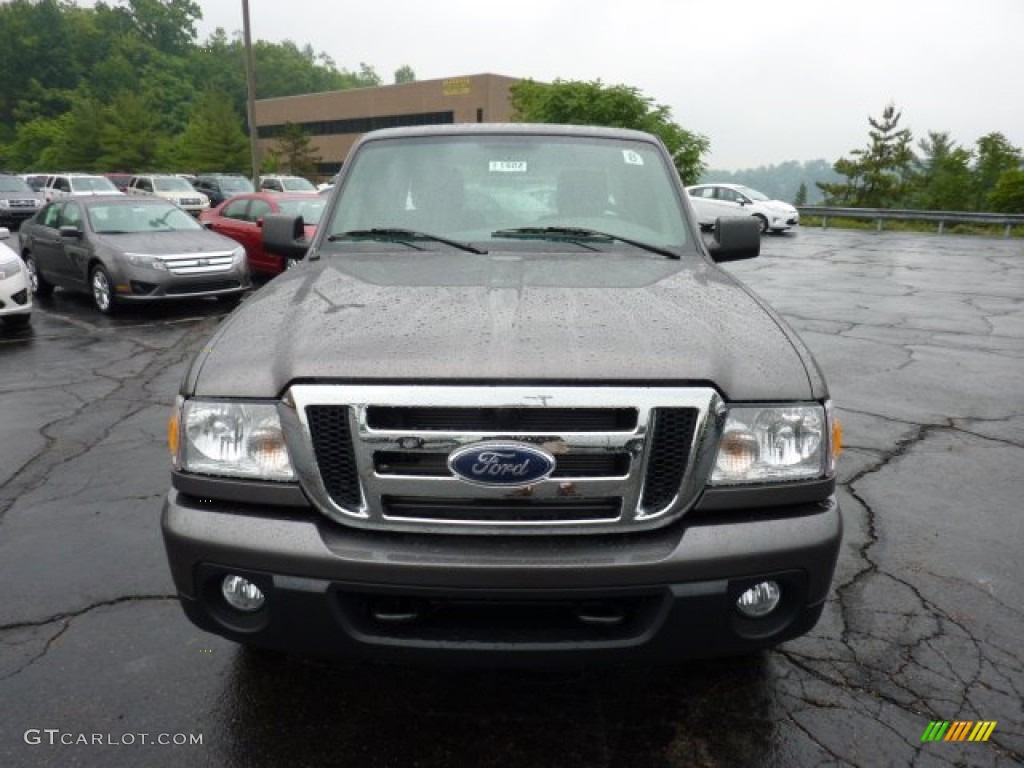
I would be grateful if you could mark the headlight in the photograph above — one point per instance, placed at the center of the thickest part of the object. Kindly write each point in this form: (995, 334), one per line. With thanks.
(5, 203)
(145, 260)
(238, 255)
(9, 267)
(773, 444)
(233, 439)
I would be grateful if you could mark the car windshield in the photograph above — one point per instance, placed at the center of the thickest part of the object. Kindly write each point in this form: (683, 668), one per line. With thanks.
(236, 185)
(92, 184)
(482, 188)
(310, 210)
(14, 184)
(114, 219)
(172, 184)
(753, 194)
(297, 184)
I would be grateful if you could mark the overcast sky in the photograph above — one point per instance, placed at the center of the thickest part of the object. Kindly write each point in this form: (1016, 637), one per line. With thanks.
(765, 80)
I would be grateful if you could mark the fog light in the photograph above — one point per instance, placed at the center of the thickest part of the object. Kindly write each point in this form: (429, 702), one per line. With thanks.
(241, 594)
(760, 600)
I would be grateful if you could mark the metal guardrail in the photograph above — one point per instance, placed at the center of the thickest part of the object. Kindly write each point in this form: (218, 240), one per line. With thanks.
(880, 215)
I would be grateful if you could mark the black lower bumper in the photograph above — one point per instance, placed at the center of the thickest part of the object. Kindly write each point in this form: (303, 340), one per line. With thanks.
(655, 598)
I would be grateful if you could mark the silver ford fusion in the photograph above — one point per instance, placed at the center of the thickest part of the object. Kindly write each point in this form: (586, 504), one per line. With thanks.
(128, 249)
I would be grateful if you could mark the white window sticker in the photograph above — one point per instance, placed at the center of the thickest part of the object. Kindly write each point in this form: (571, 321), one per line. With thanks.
(631, 157)
(508, 166)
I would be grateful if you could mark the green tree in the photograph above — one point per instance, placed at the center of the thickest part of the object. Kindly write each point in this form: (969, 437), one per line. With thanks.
(1008, 195)
(876, 177)
(293, 153)
(801, 195)
(128, 137)
(941, 177)
(994, 156)
(405, 74)
(593, 103)
(213, 139)
(168, 25)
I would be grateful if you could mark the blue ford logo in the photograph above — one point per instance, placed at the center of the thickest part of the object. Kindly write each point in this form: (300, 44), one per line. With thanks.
(501, 464)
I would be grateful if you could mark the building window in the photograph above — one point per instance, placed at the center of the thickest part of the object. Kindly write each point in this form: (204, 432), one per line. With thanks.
(359, 124)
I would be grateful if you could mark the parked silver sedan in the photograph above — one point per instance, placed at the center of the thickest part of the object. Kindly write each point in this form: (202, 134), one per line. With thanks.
(129, 249)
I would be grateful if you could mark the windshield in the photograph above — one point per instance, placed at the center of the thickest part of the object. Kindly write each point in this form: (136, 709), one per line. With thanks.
(297, 184)
(310, 210)
(469, 187)
(236, 185)
(92, 184)
(753, 194)
(142, 217)
(14, 184)
(172, 184)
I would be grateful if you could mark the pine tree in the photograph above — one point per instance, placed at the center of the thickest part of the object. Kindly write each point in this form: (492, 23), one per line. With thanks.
(876, 177)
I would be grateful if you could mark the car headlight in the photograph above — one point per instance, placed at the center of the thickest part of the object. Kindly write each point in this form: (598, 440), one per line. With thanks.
(5, 203)
(765, 444)
(9, 267)
(145, 260)
(238, 255)
(229, 438)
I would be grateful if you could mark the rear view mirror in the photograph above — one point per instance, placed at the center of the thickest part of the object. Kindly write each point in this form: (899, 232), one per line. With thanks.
(285, 236)
(735, 238)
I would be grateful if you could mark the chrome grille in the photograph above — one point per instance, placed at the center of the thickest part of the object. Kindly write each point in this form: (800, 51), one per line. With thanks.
(199, 264)
(377, 456)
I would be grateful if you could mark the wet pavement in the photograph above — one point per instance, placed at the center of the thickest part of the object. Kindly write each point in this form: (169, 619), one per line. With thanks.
(922, 340)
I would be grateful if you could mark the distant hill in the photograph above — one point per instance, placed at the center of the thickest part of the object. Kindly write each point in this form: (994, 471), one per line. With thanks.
(781, 182)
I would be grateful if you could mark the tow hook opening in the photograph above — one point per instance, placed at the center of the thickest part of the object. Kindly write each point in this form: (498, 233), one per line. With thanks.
(601, 614)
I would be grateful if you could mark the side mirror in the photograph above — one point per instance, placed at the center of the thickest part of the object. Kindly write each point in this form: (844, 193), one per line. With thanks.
(735, 238)
(285, 236)
(71, 232)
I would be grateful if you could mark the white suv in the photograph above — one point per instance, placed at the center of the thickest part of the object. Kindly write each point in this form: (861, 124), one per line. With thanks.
(713, 200)
(173, 189)
(77, 185)
(278, 183)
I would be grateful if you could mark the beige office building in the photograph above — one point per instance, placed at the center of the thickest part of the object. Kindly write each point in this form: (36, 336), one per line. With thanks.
(335, 119)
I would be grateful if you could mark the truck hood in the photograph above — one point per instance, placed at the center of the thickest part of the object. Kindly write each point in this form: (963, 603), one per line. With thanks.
(452, 316)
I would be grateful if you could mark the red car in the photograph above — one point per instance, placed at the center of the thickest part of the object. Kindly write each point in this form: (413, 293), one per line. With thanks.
(241, 218)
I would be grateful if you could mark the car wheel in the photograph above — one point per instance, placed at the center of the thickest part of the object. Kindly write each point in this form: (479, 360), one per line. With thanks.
(40, 287)
(764, 222)
(102, 290)
(17, 321)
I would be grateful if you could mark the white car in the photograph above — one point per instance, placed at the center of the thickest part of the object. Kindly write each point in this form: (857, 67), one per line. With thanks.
(713, 200)
(61, 185)
(173, 189)
(15, 291)
(282, 183)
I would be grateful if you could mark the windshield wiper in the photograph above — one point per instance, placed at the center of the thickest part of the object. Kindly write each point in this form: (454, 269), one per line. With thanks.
(578, 234)
(405, 236)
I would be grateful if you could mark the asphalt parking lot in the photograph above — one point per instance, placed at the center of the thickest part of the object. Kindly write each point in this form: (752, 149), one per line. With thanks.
(922, 340)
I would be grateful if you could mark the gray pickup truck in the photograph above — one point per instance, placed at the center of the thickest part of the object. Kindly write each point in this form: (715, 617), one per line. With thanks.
(506, 408)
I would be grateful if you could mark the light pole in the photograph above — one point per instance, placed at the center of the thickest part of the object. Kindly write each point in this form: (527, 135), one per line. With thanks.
(250, 102)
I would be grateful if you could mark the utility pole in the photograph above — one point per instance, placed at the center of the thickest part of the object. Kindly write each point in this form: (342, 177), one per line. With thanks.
(250, 102)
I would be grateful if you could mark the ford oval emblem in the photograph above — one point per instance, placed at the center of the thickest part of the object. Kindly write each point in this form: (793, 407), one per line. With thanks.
(501, 464)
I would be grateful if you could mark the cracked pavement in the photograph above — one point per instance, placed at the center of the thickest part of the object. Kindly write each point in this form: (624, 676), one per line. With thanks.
(922, 340)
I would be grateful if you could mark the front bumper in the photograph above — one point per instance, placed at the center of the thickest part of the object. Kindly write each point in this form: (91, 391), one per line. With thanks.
(15, 296)
(656, 597)
(136, 284)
